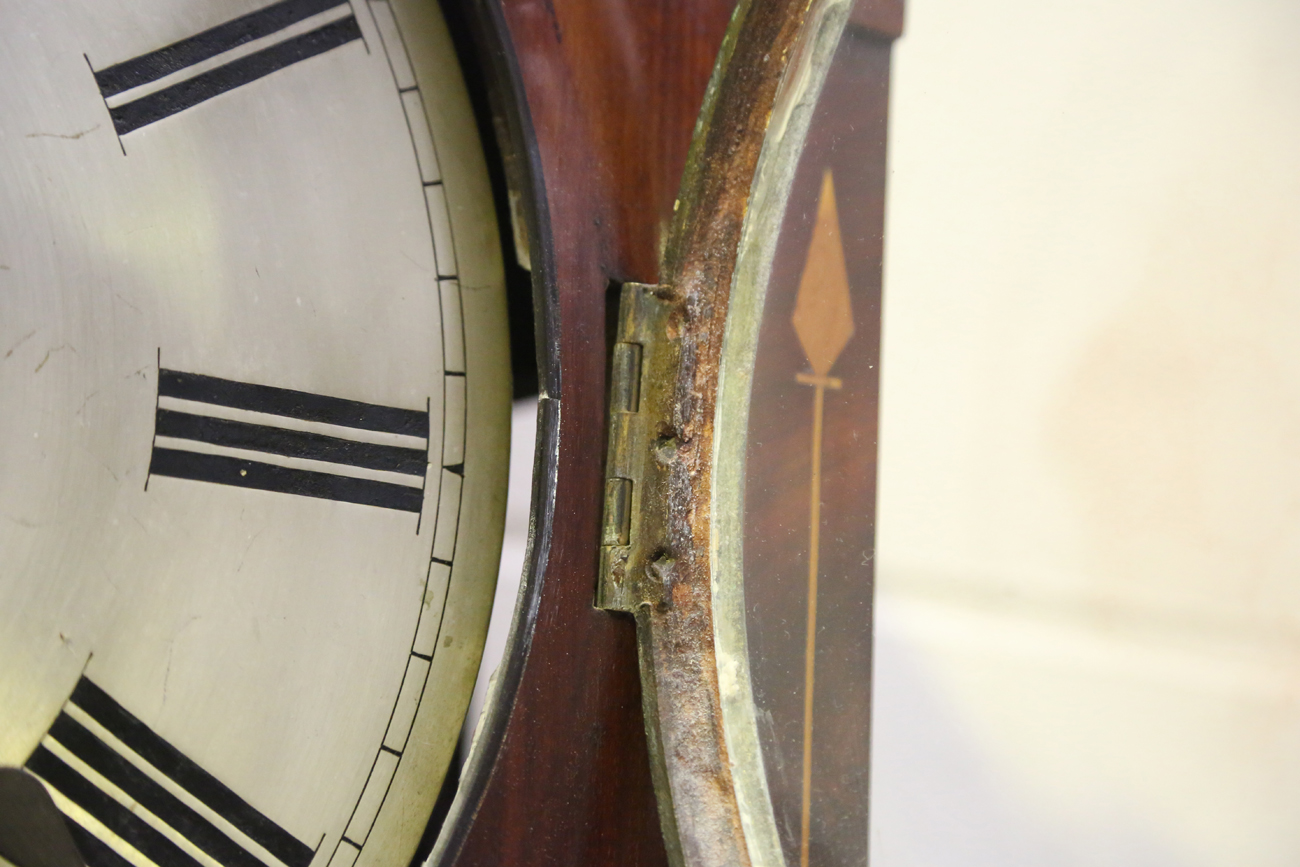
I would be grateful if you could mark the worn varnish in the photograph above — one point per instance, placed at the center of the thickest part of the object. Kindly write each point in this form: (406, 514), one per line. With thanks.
(612, 91)
(606, 94)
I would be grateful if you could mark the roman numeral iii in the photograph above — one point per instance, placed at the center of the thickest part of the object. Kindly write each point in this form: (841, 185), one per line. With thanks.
(305, 444)
(153, 86)
(104, 767)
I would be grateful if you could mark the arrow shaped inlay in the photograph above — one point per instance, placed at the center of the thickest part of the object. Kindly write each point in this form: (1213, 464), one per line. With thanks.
(823, 320)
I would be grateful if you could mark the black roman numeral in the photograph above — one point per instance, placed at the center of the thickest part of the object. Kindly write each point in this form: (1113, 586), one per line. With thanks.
(195, 440)
(149, 106)
(103, 762)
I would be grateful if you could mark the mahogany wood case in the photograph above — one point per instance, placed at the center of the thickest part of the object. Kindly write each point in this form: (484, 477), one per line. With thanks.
(595, 102)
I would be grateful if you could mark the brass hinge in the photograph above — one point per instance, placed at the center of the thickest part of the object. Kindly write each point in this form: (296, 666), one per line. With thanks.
(635, 565)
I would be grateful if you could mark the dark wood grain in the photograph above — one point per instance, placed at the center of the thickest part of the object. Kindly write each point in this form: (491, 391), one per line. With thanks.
(847, 138)
(883, 18)
(678, 637)
(596, 101)
(610, 91)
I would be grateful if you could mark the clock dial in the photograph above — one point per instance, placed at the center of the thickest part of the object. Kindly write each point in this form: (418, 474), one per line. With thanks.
(256, 393)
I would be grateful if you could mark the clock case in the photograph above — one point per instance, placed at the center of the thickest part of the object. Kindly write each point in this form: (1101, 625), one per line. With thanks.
(594, 105)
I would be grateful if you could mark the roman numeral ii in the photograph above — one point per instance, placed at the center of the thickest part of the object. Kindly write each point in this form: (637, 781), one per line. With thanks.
(156, 85)
(301, 443)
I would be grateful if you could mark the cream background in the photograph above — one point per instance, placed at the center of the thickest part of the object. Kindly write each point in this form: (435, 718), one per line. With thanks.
(1089, 537)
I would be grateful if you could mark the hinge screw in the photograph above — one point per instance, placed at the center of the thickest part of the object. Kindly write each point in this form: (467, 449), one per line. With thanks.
(666, 449)
(663, 569)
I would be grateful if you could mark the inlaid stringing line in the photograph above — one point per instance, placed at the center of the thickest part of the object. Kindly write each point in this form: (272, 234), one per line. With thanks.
(823, 322)
(113, 804)
(165, 69)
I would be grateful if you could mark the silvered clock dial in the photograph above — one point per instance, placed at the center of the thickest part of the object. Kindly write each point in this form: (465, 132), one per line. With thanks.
(254, 385)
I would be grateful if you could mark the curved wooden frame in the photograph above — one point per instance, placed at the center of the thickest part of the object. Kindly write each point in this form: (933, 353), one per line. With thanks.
(595, 102)
(597, 99)
(700, 812)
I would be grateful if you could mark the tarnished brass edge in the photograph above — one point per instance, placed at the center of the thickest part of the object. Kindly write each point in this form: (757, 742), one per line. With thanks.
(638, 452)
(635, 570)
